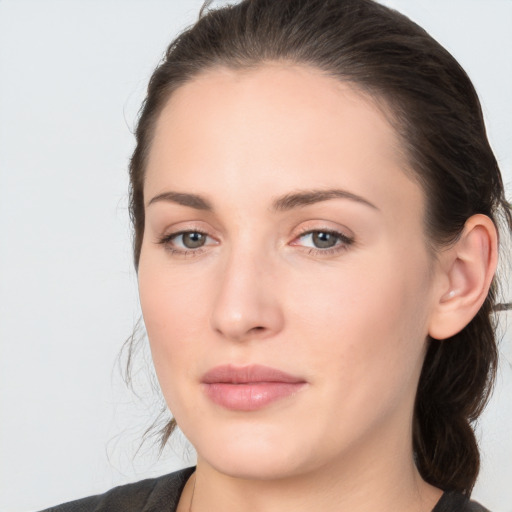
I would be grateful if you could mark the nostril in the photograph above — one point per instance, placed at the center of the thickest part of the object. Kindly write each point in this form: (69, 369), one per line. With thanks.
(258, 328)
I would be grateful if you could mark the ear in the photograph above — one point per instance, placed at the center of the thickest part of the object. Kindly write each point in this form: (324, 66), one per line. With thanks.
(465, 274)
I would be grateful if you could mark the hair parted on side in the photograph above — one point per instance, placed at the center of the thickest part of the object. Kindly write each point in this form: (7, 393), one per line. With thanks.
(436, 112)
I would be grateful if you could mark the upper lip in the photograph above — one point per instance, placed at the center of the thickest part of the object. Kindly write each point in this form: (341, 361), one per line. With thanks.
(231, 374)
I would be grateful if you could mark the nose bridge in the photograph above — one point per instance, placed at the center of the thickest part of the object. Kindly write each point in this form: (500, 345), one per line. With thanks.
(247, 304)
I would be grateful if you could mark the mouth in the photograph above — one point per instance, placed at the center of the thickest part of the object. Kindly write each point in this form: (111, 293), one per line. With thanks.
(249, 388)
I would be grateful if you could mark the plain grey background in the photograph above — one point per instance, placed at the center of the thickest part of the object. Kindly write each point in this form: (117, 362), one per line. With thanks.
(72, 77)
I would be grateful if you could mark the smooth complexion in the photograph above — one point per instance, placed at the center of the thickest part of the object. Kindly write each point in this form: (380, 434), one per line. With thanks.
(282, 230)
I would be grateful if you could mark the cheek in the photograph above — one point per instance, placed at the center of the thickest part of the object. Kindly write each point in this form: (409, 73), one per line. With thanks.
(173, 310)
(167, 305)
(365, 325)
(171, 295)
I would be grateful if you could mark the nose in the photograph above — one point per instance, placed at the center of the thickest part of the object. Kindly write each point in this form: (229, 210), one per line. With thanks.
(247, 304)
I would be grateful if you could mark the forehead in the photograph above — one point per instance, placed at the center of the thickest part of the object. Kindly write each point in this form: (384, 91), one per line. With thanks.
(275, 126)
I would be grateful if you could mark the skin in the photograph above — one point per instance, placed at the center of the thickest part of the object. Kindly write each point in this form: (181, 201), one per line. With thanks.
(351, 321)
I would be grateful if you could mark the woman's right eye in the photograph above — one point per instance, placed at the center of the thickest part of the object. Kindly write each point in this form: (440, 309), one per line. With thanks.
(190, 239)
(186, 242)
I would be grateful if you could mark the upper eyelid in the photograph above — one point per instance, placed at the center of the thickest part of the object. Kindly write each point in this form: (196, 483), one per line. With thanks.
(307, 231)
(301, 232)
(181, 232)
(178, 229)
(325, 229)
(344, 240)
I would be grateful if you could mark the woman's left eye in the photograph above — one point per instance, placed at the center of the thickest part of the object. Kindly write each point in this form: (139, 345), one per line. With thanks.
(324, 241)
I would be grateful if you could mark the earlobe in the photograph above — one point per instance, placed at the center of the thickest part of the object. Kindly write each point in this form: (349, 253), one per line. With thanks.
(467, 268)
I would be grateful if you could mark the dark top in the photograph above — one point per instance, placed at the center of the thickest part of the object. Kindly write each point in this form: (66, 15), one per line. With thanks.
(163, 493)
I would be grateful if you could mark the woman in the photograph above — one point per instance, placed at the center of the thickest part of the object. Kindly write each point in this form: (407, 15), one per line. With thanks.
(315, 206)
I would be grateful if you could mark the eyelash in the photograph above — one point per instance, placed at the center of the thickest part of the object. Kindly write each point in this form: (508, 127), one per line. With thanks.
(345, 240)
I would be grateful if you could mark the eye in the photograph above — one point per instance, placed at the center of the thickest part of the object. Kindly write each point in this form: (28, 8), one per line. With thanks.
(186, 242)
(189, 239)
(323, 241)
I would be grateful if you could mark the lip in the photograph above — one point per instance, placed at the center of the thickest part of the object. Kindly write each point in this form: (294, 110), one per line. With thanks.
(248, 388)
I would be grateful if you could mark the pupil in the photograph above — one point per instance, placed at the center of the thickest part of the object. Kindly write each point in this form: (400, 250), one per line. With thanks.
(324, 240)
(193, 240)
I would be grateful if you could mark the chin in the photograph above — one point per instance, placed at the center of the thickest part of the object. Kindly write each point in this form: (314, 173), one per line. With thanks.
(256, 451)
(251, 465)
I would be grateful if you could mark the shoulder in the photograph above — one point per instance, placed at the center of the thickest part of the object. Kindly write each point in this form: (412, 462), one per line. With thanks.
(473, 506)
(456, 502)
(151, 495)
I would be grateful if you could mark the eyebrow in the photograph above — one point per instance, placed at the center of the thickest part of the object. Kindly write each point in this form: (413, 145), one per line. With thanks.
(280, 204)
(190, 200)
(307, 197)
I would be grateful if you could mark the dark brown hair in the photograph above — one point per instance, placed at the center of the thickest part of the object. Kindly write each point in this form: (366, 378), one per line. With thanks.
(437, 114)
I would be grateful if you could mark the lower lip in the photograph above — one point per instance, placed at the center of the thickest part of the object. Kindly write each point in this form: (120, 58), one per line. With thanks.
(251, 396)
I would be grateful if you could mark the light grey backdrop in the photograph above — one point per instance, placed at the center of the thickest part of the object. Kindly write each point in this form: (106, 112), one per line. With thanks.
(72, 76)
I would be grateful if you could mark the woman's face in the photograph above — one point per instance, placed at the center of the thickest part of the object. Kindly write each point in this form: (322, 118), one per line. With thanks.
(284, 277)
